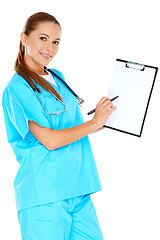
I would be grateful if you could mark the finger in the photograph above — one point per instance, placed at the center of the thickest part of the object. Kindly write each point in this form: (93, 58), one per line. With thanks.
(102, 100)
(107, 104)
(112, 109)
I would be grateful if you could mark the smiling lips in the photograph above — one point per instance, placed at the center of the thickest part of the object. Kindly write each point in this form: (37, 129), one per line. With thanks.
(46, 56)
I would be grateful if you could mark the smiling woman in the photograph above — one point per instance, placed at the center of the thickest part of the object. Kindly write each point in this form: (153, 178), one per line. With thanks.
(38, 45)
(57, 172)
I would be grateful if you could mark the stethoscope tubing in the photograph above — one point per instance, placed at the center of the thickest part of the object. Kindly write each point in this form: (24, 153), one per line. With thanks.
(80, 100)
(47, 111)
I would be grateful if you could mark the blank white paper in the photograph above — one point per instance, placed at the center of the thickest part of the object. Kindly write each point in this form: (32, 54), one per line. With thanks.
(133, 87)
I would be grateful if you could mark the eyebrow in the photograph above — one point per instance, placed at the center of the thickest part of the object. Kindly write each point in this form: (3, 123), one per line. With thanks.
(48, 36)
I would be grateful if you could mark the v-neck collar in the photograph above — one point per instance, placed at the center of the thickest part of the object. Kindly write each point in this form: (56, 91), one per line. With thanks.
(55, 79)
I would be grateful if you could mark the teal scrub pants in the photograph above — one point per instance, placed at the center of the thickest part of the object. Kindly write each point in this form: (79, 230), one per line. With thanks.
(70, 219)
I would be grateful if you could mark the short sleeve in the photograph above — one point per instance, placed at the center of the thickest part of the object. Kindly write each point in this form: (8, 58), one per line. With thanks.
(22, 105)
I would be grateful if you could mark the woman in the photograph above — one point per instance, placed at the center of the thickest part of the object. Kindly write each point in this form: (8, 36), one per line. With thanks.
(45, 128)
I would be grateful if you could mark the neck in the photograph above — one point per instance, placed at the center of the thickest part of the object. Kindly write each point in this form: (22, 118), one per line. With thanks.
(39, 69)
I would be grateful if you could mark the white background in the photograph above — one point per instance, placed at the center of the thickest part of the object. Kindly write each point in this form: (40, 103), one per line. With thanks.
(95, 33)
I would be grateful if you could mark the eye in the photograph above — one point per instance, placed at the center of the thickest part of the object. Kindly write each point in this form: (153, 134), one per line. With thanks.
(56, 42)
(43, 38)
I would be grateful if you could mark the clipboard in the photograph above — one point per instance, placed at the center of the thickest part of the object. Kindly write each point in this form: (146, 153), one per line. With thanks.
(133, 83)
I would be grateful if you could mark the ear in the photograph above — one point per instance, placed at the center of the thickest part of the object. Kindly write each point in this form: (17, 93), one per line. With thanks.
(23, 37)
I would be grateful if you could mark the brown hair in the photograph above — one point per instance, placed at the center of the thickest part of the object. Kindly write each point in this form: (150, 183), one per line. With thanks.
(20, 66)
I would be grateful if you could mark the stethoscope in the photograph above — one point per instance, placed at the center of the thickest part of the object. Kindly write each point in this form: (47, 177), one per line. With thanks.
(80, 100)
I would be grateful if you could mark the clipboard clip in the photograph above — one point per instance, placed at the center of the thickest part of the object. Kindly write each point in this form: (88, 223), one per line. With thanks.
(136, 66)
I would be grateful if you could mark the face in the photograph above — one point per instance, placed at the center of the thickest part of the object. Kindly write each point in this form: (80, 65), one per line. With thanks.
(41, 45)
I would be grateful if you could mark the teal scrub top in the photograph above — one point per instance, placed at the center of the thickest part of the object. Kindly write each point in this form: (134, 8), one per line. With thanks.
(46, 176)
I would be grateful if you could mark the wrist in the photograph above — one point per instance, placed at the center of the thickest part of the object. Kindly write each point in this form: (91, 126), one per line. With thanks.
(94, 126)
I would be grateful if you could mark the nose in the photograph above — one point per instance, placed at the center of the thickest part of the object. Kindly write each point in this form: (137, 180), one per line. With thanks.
(51, 47)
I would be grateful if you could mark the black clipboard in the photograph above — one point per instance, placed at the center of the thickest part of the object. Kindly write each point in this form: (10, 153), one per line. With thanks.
(133, 83)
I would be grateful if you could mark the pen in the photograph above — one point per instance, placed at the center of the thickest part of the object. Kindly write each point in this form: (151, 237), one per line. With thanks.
(92, 111)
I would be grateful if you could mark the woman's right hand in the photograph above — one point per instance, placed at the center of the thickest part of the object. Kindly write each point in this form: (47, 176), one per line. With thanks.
(103, 110)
